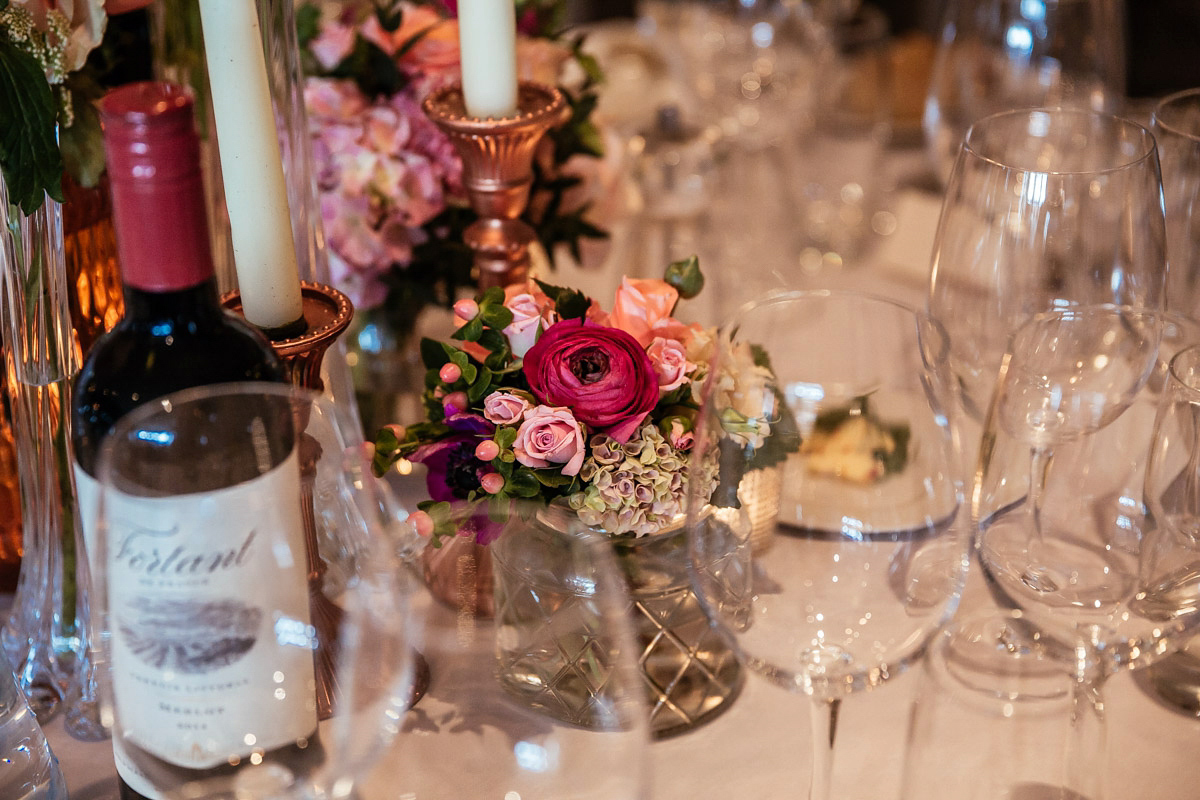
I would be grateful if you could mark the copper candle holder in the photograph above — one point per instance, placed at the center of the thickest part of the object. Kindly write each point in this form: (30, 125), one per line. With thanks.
(327, 314)
(497, 156)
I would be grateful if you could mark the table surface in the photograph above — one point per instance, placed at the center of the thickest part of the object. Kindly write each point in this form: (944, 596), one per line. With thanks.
(759, 747)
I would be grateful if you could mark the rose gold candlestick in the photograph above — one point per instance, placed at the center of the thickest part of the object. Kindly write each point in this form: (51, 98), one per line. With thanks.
(497, 156)
(327, 314)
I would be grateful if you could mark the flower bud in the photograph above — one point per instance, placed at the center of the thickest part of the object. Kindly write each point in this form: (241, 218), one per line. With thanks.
(466, 309)
(487, 450)
(454, 403)
(422, 522)
(685, 277)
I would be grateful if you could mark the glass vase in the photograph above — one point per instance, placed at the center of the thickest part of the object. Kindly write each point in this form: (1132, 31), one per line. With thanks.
(40, 356)
(691, 673)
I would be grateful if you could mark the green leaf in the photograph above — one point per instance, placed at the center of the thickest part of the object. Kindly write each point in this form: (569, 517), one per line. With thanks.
(480, 386)
(434, 353)
(505, 437)
(390, 14)
(471, 331)
(375, 72)
(82, 145)
(553, 479)
(569, 303)
(29, 154)
(685, 276)
(524, 483)
(308, 23)
(497, 317)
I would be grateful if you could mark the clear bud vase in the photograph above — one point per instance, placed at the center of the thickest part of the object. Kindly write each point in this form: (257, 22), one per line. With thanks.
(45, 637)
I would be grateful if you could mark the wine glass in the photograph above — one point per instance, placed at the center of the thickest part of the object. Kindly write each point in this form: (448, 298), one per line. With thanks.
(1176, 126)
(997, 55)
(1045, 209)
(1071, 525)
(252, 613)
(851, 397)
(545, 700)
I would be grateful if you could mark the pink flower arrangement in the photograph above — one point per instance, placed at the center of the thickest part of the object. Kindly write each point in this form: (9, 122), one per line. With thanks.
(390, 181)
(542, 394)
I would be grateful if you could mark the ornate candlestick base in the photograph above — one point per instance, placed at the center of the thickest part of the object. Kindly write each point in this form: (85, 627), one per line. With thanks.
(497, 157)
(327, 313)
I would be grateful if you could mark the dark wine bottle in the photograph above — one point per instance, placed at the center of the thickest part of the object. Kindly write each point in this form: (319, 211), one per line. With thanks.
(174, 335)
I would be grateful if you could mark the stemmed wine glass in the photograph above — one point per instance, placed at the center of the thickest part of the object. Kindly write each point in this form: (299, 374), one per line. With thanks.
(1071, 525)
(996, 55)
(851, 398)
(253, 615)
(1045, 209)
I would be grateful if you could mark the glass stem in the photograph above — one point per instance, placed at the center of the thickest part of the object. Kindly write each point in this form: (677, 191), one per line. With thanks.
(1039, 467)
(824, 732)
(1086, 756)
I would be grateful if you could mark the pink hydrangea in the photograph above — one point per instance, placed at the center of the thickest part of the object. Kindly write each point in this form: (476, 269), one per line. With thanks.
(383, 170)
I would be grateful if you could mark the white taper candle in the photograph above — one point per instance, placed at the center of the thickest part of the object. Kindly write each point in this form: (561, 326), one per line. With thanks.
(487, 38)
(251, 164)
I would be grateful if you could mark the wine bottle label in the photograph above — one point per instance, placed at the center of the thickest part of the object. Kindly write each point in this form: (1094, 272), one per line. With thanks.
(208, 616)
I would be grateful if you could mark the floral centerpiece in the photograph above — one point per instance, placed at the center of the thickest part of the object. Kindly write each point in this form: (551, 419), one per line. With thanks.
(390, 181)
(47, 83)
(544, 394)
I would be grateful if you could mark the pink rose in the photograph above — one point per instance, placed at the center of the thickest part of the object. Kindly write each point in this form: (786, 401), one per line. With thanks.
(679, 438)
(670, 363)
(550, 436)
(642, 305)
(602, 374)
(502, 408)
(522, 332)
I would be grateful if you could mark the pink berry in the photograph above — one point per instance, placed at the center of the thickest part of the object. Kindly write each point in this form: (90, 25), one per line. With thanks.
(455, 403)
(449, 372)
(422, 522)
(492, 483)
(487, 450)
(466, 309)
(397, 431)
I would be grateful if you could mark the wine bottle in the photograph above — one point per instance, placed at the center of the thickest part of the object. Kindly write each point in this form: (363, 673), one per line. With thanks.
(174, 335)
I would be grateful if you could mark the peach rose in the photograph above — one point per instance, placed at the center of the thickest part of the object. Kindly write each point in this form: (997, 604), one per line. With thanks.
(641, 306)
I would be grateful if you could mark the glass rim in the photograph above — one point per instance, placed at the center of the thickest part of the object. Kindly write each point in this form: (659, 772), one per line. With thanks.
(1169, 102)
(775, 297)
(1191, 383)
(157, 406)
(1148, 149)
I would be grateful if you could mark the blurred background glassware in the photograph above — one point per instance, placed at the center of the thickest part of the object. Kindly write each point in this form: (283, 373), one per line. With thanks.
(1077, 498)
(839, 168)
(309, 536)
(991, 716)
(30, 770)
(1045, 208)
(1175, 122)
(997, 55)
(870, 547)
(544, 700)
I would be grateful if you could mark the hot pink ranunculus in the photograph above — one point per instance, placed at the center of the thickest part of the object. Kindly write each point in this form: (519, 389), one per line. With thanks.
(602, 374)
(504, 408)
(550, 436)
(670, 363)
(641, 306)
